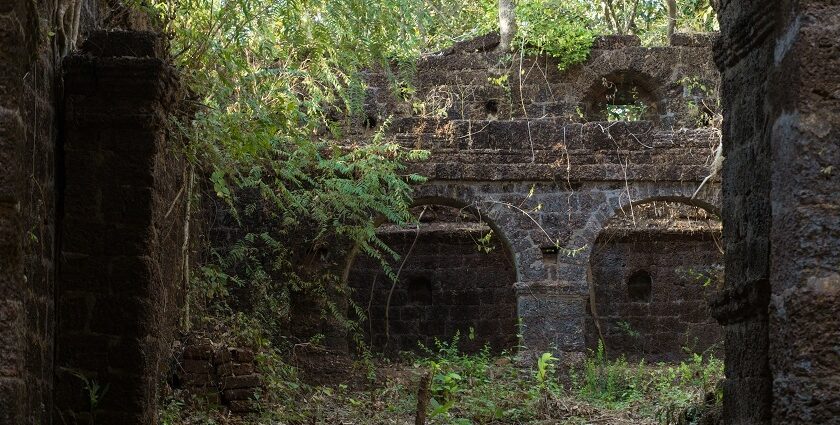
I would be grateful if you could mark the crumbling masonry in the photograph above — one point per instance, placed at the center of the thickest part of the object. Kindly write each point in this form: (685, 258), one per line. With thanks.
(534, 158)
(91, 225)
(780, 65)
(91, 220)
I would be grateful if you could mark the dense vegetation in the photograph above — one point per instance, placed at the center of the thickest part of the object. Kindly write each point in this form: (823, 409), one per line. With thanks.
(476, 389)
(276, 84)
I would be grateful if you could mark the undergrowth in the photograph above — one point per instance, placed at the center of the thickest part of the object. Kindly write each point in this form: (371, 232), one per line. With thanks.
(475, 388)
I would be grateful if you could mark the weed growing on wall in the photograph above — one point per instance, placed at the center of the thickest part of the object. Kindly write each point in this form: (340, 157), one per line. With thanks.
(93, 392)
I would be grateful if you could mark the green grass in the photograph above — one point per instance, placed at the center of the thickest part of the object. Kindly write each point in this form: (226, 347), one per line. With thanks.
(478, 389)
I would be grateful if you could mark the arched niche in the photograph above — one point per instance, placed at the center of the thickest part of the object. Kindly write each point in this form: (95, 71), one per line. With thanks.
(455, 275)
(651, 271)
(624, 95)
(639, 286)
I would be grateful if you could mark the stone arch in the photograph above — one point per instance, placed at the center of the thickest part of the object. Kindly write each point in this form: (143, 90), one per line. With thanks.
(474, 208)
(618, 200)
(664, 81)
(550, 301)
(505, 222)
(452, 282)
(679, 257)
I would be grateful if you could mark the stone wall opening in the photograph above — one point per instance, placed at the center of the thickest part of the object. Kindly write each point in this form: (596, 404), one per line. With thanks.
(457, 278)
(638, 286)
(652, 270)
(623, 96)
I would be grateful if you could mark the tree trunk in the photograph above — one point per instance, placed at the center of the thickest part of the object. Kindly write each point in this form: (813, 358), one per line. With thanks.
(672, 17)
(612, 20)
(607, 19)
(507, 25)
(422, 399)
(630, 27)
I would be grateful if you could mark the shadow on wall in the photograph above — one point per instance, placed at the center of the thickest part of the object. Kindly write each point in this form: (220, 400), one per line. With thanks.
(651, 272)
(457, 278)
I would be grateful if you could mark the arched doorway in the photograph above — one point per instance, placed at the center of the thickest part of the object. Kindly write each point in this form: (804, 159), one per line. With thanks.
(651, 271)
(456, 276)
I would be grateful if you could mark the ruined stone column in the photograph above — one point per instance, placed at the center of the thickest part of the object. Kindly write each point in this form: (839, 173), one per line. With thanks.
(804, 314)
(780, 62)
(552, 312)
(122, 231)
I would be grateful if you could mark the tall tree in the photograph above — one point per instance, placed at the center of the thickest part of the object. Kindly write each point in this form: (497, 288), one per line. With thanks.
(621, 16)
(672, 17)
(507, 24)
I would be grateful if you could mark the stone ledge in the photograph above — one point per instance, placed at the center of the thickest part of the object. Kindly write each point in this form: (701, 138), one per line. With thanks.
(694, 39)
(124, 43)
(236, 382)
(557, 289)
(482, 43)
(615, 42)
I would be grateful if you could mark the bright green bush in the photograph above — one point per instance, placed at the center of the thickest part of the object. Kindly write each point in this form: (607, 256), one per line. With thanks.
(274, 85)
(556, 28)
(612, 382)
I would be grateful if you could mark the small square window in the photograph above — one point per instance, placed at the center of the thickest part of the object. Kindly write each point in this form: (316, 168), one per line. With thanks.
(639, 286)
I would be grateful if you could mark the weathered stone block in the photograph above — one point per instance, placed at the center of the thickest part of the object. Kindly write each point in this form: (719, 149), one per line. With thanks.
(241, 406)
(238, 394)
(235, 382)
(610, 42)
(235, 369)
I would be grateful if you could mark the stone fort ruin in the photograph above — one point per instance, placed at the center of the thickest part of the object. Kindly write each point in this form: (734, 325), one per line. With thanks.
(580, 208)
(92, 278)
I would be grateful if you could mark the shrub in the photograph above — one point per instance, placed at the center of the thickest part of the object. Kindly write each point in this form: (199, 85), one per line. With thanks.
(612, 382)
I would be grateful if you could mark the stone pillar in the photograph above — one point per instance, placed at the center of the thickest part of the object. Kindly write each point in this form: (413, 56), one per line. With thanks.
(804, 314)
(741, 308)
(13, 65)
(551, 323)
(780, 65)
(122, 229)
(552, 313)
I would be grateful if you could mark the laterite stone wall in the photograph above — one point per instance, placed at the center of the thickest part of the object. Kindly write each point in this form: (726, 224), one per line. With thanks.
(30, 85)
(34, 38)
(510, 136)
(449, 285)
(651, 289)
(121, 272)
(780, 66)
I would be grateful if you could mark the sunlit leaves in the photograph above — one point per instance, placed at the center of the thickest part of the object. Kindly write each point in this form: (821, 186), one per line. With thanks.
(273, 83)
(555, 28)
